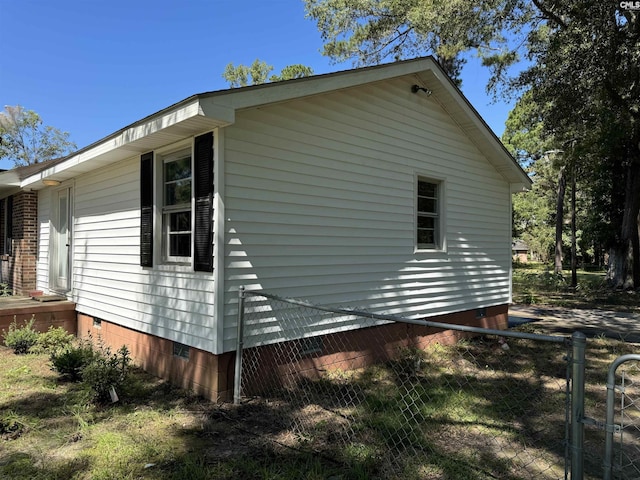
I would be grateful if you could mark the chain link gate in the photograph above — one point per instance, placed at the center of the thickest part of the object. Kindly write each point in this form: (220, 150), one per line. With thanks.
(622, 446)
(409, 398)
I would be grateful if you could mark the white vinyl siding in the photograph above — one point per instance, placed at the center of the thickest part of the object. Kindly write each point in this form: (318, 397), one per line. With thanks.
(108, 282)
(320, 204)
(44, 213)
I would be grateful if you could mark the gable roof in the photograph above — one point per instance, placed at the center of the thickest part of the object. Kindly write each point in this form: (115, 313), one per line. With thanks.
(206, 111)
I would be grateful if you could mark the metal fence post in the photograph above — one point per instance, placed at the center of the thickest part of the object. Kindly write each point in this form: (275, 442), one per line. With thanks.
(237, 380)
(579, 343)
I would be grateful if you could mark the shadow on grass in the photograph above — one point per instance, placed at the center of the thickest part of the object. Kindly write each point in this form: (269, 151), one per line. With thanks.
(471, 411)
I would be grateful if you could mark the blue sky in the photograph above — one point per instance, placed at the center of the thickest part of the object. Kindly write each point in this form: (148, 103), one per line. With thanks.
(92, 67)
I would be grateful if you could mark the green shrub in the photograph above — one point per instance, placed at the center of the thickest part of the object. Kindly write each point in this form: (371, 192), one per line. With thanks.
(106, 371)
(70, 362)
(21, 339)
(95, 365)
(56, 339)
(5, 291)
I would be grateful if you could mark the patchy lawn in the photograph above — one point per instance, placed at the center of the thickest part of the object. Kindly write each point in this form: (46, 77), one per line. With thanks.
(473, 411)
(535, 283)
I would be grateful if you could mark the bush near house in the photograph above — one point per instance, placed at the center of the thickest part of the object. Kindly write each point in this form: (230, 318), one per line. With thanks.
(93, 363)
(21, 339)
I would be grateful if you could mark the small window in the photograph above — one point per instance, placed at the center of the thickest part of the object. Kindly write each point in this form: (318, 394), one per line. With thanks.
(176, 207)
(428, 214)
(181, 350)
(481, 312)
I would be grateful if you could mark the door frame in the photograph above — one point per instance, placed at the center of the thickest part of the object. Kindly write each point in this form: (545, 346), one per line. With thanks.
(54, 239)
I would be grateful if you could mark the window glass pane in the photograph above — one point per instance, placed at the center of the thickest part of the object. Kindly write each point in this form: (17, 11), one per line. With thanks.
(427, 189)
(177, 169)
(428, 214)
(426, 222)
(178, 192)
(426, 237)
(180, 222)
(180, 244)
(177, 181)
(427, 205)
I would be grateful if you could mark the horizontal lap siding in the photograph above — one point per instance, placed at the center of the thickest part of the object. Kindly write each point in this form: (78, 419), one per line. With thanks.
(108, 280)
(42, 268)
(320, 205)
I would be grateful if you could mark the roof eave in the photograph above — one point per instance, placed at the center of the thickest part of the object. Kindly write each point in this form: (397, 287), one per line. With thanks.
(206, 111)
(172, 124)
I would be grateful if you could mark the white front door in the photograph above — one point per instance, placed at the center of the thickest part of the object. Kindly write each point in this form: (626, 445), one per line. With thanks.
(60, 267)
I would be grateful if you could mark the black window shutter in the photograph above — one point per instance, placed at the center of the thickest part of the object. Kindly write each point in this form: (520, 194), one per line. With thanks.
(203, 182)
(146, 210)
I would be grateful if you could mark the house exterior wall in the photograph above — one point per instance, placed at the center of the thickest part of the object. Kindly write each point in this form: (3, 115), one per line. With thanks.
(320, 205)
(18, 265)
(170, 302)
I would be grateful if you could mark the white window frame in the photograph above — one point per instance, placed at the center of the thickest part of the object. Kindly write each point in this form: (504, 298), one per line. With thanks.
(438, 214)
(172, 153)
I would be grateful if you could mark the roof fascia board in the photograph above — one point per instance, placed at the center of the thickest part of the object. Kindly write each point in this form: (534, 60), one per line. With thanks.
(270, 93)
(155, 123)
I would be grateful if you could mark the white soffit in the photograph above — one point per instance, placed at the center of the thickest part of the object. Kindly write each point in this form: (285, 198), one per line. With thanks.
(168, 126)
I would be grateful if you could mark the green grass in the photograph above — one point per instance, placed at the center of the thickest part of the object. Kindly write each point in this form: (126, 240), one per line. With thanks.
(535, 283)
(467, 412)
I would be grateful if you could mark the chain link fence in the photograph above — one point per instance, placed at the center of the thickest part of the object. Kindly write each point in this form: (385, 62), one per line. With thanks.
(622, 426)
(401, 398)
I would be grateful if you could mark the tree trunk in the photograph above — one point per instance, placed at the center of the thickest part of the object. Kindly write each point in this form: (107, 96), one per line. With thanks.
(562, 183)
(574, 259)
(624, 256)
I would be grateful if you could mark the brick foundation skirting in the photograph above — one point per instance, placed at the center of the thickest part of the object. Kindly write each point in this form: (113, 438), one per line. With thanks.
(203, 373)
(212, 375)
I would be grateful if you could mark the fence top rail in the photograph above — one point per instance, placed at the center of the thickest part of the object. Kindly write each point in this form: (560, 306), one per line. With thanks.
(425, 323)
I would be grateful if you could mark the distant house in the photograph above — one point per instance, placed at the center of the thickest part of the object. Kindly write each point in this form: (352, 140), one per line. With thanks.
(355, 187)
(520, 251)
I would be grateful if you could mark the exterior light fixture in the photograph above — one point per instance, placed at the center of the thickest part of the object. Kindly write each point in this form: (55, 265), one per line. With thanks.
(51, 183)
(418, 88)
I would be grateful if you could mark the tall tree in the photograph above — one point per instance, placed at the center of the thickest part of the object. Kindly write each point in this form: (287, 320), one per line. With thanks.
(258, 72)
(583, 73)
(533, 211)
(25, 140)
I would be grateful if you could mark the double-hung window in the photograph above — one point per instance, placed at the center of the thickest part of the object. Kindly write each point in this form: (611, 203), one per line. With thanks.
(176, 206)
(428, 214)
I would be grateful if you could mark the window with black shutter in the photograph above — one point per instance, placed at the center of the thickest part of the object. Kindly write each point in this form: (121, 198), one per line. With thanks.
(184, 205)
(146, 210)
(203, 232)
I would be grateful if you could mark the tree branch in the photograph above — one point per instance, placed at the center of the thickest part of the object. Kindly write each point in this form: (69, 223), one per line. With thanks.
(549, 14)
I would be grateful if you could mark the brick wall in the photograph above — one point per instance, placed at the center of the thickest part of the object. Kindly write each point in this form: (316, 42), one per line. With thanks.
(19, 264)
(212, 375)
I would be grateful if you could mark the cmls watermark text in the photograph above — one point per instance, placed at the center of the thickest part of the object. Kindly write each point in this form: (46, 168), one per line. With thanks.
(630, 5)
